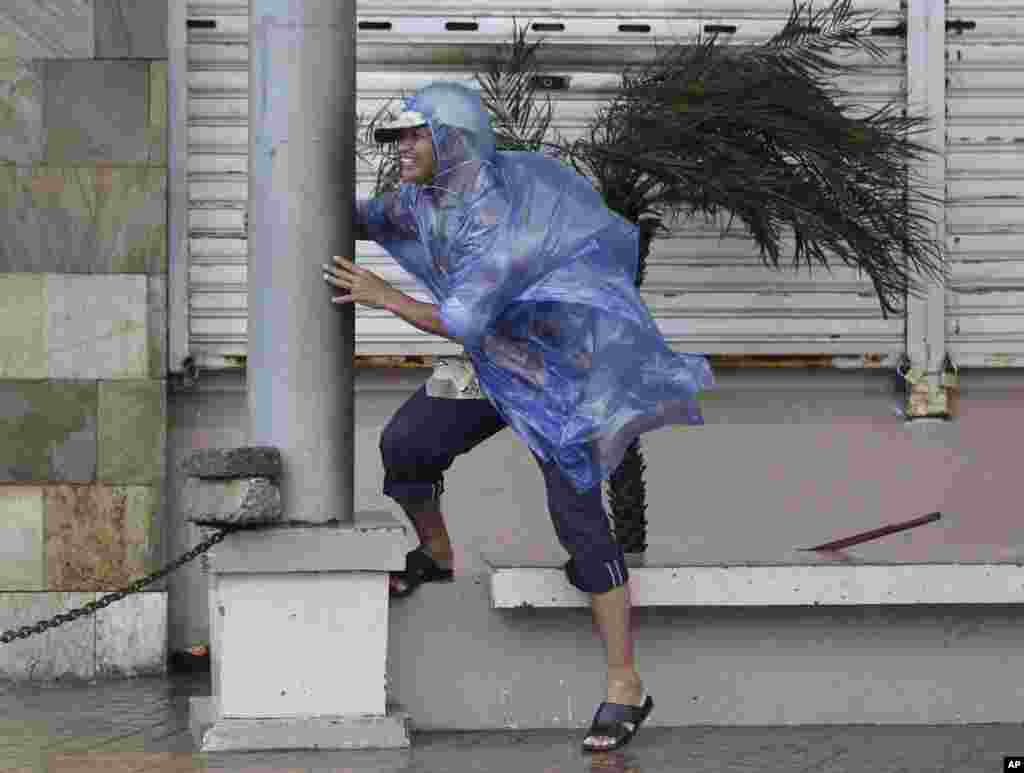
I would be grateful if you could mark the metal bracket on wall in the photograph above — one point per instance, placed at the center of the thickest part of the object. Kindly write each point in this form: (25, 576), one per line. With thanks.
(931, 395)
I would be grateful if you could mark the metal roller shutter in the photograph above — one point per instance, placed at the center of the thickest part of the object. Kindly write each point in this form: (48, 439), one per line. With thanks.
(985, 182)
(707, 293)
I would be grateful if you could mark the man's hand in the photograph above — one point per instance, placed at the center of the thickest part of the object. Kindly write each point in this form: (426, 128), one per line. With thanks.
(368, 289)
(364, 287)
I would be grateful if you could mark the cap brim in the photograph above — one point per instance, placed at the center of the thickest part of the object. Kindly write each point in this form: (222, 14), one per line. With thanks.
(391, 131)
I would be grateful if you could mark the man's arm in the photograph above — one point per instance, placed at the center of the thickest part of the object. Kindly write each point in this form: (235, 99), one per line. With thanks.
(424, 316)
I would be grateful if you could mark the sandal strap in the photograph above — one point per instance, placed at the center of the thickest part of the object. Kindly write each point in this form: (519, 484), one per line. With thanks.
(613, 713)
(419, 564)
(618, 722)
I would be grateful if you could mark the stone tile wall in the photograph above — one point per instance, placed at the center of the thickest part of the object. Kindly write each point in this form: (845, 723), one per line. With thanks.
(83, 331)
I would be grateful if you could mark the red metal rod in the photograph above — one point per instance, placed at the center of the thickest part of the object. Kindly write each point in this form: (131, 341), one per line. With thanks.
(856, 539)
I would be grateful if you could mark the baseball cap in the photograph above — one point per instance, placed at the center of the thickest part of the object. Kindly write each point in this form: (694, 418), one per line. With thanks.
(390, 131)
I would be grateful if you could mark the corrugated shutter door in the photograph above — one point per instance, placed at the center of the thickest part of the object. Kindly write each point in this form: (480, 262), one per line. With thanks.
(707, 294)
(985, 174)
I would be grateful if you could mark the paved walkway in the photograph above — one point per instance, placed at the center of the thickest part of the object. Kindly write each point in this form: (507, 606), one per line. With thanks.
(142, 726)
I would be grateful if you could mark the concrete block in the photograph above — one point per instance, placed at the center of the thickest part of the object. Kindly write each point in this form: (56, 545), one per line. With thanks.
(68, 651)
(100, 537)
(131, 29)
(132, 431)
(286, 628)
(22, 524)
(374, 542)
(49, 430)
(242, 462)
(245, 502)
(156, 326)
(96, 326)
(38, 29)
(131, 636)
(213, 734)
(203, 711)
(21, 112)
(98, 111)
(85, 220)
(22, 323)
(773, 586)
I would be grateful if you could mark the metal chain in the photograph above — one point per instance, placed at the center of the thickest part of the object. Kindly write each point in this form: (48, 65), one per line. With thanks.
(66, 617)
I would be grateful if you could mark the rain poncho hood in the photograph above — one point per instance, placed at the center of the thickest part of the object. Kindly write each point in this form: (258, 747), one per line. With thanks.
(535, 277)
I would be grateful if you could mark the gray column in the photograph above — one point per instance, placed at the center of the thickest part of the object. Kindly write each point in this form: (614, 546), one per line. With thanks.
(926, 94)
(301, 178)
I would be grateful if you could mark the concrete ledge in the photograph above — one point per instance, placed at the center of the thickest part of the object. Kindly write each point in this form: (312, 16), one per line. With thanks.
(374, 542)
(732, 586)
(203, 712)
(213, 733)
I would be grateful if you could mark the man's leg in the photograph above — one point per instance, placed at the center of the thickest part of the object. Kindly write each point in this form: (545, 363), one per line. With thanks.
(583, 530)
(429, 523)
(430, 528)
(417, 446)
(612, 616)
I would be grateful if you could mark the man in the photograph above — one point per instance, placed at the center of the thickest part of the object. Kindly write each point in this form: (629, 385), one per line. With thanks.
(533, 275)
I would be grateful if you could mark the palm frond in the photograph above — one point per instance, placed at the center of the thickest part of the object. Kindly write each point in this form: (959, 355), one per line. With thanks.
(384, 157)
(520, 118)
(762, 134)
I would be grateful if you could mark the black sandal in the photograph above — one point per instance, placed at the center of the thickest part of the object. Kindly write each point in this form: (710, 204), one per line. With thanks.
(420, 567)
(611, 720)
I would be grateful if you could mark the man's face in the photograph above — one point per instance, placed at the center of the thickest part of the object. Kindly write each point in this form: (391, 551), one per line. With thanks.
(416, 155)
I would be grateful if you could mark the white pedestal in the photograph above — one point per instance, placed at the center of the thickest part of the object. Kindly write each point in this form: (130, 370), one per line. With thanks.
(299, 635)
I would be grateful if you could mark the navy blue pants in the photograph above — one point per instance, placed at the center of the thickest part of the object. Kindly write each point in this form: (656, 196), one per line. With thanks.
(421, 441)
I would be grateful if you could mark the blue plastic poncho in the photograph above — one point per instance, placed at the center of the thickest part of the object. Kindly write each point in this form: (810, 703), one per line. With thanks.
(535, 276)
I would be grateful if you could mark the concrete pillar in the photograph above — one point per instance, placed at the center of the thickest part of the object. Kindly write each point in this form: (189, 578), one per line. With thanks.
(298, 614)
(302, 85)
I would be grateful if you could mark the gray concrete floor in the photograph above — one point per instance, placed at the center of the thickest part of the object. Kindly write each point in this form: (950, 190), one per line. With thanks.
(142, 724)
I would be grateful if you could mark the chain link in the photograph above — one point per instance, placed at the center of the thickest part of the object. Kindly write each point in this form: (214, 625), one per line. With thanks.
(93, 606)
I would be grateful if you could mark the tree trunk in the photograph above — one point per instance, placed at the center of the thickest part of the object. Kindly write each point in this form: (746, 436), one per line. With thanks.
(627, 492)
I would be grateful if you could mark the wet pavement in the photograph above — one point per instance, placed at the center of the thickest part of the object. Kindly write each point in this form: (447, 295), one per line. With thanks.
(142, 725)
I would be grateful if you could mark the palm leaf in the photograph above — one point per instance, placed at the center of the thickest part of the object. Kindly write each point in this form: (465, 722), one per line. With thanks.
(761, 134)
(520, 118)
